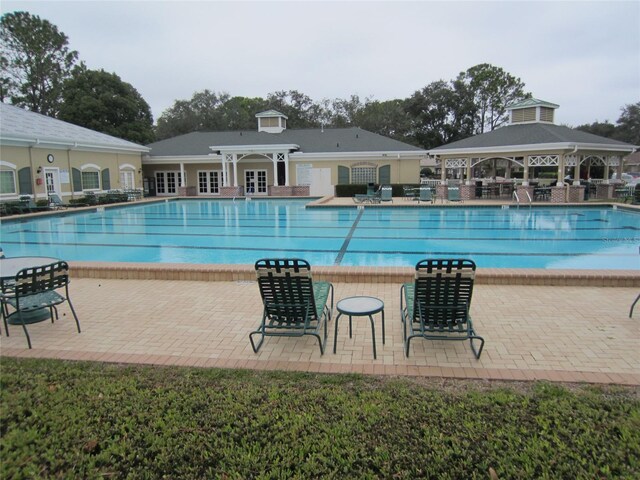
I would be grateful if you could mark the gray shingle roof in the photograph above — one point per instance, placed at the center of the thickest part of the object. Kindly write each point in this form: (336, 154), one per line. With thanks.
(329, 140)
(530, 134)
(17, 124)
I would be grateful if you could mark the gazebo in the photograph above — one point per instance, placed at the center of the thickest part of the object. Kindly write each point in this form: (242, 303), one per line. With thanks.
(532, 141)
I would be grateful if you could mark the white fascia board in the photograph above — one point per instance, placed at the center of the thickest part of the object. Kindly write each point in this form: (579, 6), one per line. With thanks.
(158, 160)
(67, 145)
(254, 148)
(357, 155)
(538, 147)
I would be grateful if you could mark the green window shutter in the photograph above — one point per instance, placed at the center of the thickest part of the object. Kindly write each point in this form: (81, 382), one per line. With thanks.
(24, 181)
(106, 183)
(76, 178)
(384, 175)
(343, 175)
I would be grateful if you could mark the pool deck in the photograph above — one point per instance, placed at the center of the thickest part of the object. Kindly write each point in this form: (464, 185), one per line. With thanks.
(565, 326)
(567, 333)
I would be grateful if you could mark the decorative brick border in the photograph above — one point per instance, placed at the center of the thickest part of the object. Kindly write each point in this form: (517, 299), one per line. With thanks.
(507, 374)
(399, 275)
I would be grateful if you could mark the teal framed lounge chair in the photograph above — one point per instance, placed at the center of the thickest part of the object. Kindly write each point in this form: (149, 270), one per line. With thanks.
(436, 305)
(425, 195)
(386, 193)
(55, 202)
(453, 194)
(294, 305)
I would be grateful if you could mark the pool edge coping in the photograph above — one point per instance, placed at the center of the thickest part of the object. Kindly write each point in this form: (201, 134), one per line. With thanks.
(349, 274)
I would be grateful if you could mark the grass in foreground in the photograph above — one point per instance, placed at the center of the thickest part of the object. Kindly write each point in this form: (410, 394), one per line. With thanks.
(91, 420)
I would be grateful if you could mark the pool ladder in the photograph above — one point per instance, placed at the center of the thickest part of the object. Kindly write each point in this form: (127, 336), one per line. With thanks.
(517, 198)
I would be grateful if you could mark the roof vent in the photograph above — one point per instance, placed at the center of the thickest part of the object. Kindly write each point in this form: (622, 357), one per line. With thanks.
(532, 110)
(271, 121)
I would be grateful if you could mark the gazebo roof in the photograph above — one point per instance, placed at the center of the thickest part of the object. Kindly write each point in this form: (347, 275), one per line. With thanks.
(532, 136)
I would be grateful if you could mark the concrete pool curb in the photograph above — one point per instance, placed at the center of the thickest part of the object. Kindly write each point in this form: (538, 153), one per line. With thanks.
(367, 275)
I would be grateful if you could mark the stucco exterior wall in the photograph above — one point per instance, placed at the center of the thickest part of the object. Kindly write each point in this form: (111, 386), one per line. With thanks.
(63, 163)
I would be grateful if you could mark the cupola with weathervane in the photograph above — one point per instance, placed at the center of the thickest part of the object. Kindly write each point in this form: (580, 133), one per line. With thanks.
(271, 121)
(532, 110)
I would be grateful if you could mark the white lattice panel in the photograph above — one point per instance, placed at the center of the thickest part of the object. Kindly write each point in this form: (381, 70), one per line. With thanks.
(544, 160)
(456, 162)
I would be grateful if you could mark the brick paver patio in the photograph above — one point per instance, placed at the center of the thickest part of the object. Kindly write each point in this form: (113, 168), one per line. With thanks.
(557, 333)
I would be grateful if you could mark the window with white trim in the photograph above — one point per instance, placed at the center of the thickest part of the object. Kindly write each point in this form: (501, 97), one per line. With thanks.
(7, 182)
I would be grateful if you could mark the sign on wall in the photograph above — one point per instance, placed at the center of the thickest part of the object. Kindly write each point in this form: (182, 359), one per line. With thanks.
(303, 174)
(64, 176)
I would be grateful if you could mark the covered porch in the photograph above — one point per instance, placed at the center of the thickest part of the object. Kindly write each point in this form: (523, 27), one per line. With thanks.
(560, 177)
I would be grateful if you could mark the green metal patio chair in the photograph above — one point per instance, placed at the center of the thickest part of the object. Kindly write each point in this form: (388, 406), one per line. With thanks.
(425, 195)
(436, 305)
(294, 305)
(386, 193)
(453, 194)
(34, 290)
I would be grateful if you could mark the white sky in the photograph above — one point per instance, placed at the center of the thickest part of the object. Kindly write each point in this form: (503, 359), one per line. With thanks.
(582, 55)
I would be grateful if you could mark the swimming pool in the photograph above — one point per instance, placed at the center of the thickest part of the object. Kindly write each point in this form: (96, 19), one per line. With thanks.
(240, 232)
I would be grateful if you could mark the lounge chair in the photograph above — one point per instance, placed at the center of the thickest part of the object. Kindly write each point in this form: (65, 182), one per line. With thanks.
(294, 305)
(453, 194)
(35, 289)
(436, 305)
(425, 195)
(386, 193)
(31, 206)
(55, 202)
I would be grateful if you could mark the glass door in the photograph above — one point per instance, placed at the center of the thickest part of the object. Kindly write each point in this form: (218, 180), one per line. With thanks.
(255, 182)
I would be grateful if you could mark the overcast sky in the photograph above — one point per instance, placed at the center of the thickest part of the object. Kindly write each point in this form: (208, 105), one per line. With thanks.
(582, 55)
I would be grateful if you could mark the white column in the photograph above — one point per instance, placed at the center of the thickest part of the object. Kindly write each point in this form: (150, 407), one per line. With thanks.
(576, 171)
(606, 170)
(182, 179)
(286, 169)
(525, 171)
(224, 170)
(560, 181)
(274, 159)
(235, 169)
(468, 181)
(443, 171)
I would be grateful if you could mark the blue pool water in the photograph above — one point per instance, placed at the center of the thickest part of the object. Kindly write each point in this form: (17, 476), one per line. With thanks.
(224, 231)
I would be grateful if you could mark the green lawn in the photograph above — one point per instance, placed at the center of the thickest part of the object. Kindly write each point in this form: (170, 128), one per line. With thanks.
(92, 420)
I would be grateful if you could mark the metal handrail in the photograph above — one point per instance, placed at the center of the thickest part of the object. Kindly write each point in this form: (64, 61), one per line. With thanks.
(515, 195)
(529, 197)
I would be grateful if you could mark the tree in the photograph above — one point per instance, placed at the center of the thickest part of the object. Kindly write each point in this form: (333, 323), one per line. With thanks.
(101, 101)
(195, 115)
(603, 129)
(628, 127)
(298, 107)
(388, 118)
(492, 90)
(441, 113)
(36, 61)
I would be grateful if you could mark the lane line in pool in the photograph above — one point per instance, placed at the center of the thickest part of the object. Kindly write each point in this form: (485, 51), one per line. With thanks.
(330, 237)
(306, 250)
(345, 244)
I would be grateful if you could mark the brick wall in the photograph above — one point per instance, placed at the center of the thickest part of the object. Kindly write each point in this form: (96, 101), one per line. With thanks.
(576, 193)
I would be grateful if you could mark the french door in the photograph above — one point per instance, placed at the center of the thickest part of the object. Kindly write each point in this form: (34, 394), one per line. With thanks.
(167, 183)
(255, 182)
(210, 181)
